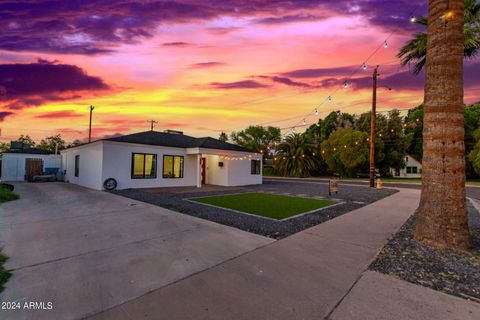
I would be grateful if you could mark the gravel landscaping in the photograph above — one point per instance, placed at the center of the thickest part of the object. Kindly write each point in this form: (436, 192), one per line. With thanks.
(450, 271)
(353, 197)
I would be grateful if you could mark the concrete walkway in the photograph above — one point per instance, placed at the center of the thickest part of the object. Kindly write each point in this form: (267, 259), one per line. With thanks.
(309, 275)
(87, 251)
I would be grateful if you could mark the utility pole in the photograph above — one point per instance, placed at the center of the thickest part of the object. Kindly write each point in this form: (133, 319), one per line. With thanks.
(372, 128)
(152, 124)
(90, 125)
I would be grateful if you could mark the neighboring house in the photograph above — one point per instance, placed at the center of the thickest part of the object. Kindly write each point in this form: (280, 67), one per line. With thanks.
(22, 164)
(412, 169)
(160, 159)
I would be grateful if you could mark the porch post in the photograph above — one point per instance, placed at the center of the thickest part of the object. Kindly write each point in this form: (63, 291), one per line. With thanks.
(199, 171)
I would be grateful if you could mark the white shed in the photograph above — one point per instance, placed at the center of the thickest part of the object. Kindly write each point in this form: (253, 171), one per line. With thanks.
(17, 165)
(412, 169)
(160, 159)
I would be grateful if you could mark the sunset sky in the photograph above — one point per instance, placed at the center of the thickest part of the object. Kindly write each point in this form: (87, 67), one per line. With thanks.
(199, 66)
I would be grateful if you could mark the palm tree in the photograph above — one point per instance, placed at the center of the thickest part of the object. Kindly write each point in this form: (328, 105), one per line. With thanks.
(223, 137)
(442, 219)
(414, 51)
(295, 156)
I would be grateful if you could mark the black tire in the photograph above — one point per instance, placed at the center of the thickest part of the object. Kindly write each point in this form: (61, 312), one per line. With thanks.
(110, 184)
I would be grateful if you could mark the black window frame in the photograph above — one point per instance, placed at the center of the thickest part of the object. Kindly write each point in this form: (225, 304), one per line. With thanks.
(77, 165)
(154, 166)
(255, 166)
(182, 168)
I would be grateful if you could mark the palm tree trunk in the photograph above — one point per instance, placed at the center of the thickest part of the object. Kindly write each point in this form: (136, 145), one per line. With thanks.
(442, 217)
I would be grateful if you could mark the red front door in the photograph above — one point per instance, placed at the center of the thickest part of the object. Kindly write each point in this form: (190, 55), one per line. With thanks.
(203, 165)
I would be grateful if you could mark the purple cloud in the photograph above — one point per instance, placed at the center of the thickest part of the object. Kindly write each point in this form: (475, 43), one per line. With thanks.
(245, 84)
(176, 44)
(207, 64)
(4, 114)
(290, 19)
(321, 72)
(99, 27)
(290, 82)
(32, 84)
(59, 114)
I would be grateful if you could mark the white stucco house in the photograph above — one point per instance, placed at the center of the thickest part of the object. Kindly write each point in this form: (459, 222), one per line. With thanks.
(412, 169)
(160, 159)
(22, 164)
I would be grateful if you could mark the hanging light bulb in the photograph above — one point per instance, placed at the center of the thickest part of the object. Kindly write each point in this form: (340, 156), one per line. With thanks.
(385, 44)
(330, 99)
(316, 112)
(364, 66)
(413, 19)
(345, 84)
(304, 122)
(449, 15)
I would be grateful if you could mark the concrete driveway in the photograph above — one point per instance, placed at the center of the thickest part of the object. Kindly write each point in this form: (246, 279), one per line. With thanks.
(87, 251)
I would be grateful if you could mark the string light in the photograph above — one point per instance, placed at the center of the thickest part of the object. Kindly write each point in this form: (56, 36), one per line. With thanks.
(449, 15)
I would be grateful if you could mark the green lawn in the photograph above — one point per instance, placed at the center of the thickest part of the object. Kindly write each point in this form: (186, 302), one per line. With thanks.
(7, 195)
(266, 205)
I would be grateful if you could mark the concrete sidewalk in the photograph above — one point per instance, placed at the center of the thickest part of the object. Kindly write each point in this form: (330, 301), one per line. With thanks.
(381, 297)
(304, 276)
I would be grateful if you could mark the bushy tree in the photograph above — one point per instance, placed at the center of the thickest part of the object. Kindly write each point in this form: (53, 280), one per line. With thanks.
(257, 138)
(223, 137)
(346, 151)
(414, 131)
(52, 143)
(26, 140)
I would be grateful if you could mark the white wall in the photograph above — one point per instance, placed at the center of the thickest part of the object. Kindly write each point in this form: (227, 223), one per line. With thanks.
(13, 164)
(239, 172)
(90, 165)
(117, 164)
(215, 174)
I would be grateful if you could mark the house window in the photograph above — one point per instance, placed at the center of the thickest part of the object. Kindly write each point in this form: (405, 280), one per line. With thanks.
(412, 169)
(255, 166)
(144, 166)
(172, 167)
(77, 165)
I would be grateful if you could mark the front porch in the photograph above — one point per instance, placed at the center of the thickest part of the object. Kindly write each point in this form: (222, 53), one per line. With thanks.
(226, 168)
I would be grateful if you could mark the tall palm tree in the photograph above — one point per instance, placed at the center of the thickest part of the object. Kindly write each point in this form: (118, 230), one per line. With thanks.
(296, 156)
(442, 217)
(414, 51)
